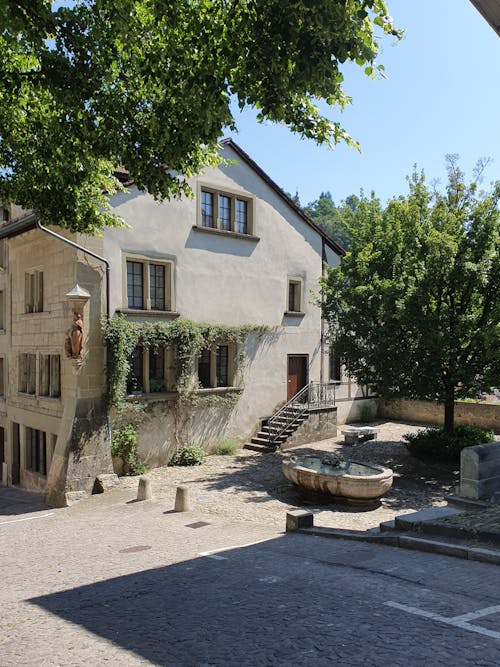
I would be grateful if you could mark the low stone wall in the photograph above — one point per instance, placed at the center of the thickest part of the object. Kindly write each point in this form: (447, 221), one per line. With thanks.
(431, 412)
(322, 424)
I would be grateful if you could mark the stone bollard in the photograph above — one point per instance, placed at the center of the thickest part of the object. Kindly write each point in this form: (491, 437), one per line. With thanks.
(298, 519)
(144, 490)
(182, 499)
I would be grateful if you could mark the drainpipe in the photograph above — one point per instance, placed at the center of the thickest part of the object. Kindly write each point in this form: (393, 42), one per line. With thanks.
(323, 328)
(86, 251)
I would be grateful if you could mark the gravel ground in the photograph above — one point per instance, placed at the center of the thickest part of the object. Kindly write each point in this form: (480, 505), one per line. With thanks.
(250, 486)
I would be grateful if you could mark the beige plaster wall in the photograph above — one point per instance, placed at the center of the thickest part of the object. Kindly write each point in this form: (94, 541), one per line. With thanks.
(430, 412)
(232, 280)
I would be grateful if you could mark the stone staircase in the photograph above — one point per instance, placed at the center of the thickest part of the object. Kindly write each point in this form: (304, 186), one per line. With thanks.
(288, 421)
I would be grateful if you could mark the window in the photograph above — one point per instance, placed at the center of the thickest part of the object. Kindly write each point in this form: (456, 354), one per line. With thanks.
(27, 373)
(225, 211)
(151, 371)
(33, 292)
(157, 370)
(135, 380)
(50, 375)
(207, 209)
(36, 451)
(149, 285)
(2, 312)
(294, 296)
(335, 366)
(2, 378)
(3, 254)
(214, 367)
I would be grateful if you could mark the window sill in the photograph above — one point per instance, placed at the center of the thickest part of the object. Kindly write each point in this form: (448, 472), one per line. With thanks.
(152, 396)
(218, 390)
(223, 232)
(148, 313)
(294, 313)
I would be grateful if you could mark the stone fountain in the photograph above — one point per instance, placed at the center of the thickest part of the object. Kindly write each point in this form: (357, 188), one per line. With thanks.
(336, 476)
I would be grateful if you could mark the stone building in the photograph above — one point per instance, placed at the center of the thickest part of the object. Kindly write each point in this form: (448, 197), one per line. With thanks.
(240, 253)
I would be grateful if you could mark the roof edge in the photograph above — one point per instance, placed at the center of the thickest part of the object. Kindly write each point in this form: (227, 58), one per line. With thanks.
(336, 247)
(25, 224)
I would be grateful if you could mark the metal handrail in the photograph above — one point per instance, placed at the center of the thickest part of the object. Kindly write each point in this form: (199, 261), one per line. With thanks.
(314, 394)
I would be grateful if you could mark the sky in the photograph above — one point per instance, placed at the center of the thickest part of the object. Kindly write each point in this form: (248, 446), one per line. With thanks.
(441, 95)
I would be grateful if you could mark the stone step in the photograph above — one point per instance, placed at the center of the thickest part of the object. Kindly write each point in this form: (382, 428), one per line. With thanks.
(264, 435)
(414, 521)
(260, 441)
(258, 448)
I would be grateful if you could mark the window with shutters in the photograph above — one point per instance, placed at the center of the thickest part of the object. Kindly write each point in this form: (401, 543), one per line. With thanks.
(27, 373)
(36, 451)
(50, 375)
(33, 292)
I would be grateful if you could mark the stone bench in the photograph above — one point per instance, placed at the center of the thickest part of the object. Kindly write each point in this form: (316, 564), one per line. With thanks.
(354, 435)
(480, 472)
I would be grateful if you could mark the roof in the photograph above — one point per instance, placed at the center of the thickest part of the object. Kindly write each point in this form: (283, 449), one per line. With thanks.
(490, 9)
(336, 247)
(29, 222)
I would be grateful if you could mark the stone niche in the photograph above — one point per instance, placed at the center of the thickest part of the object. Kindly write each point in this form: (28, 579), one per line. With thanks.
(480, 472)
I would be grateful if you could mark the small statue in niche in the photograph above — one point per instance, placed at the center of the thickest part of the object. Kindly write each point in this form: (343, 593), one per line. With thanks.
(74, 337)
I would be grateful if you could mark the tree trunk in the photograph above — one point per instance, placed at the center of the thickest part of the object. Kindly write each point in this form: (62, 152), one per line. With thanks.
(449, 410)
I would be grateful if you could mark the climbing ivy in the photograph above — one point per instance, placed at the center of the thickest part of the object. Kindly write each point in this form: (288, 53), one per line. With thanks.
(188, 338)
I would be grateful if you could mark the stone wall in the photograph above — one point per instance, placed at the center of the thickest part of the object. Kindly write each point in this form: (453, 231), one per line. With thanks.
(321, 424)
(431, 412)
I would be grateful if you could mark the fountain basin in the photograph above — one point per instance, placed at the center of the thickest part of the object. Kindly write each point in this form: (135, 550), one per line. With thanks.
(352, 480)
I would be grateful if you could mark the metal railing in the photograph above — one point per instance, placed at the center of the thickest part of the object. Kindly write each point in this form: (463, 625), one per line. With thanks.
(313, 395)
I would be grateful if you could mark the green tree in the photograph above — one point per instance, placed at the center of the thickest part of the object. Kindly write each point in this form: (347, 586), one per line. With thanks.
(414, 307)
(148, 84)
(334, 220)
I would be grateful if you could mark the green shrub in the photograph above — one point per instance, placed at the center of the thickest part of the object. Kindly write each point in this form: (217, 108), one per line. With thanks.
(435, 445)
(188, 455)
(227, 447)
(124, 445)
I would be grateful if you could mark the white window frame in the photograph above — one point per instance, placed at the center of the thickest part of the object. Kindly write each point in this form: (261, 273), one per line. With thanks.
(233, 195)
(146, 294)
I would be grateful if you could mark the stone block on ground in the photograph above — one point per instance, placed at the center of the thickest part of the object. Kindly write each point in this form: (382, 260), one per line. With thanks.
(144, 489)
(105, 482)
(480, 471)
(412, 521)
(298, 519)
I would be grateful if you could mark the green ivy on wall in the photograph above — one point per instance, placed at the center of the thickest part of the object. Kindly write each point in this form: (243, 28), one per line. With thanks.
(188, 338)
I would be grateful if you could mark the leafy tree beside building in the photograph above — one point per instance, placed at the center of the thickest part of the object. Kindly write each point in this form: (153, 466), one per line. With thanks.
(414, 307)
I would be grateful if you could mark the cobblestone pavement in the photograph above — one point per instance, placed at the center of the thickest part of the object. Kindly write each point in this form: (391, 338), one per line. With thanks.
(111, 581)
(116, 582)
(250, 485)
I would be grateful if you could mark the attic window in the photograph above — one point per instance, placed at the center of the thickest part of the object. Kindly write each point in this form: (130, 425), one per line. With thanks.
(224, 211)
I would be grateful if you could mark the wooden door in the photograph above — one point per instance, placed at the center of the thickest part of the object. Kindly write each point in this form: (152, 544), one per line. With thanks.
(297, 374)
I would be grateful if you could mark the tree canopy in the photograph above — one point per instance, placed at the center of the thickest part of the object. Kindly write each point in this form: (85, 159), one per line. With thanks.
(333, 219)
(89, 85)
(414, 307)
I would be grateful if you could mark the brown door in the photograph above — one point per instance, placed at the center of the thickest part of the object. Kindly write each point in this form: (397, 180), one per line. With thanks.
(297, 374)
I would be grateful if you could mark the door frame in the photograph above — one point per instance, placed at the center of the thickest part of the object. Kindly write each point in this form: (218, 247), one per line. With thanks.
(305, 358)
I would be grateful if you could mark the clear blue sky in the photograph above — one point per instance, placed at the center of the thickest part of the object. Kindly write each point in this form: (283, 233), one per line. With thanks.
(441, 95)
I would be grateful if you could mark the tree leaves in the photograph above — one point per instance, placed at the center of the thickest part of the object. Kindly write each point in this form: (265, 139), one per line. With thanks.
(147, 84)
(414, 306)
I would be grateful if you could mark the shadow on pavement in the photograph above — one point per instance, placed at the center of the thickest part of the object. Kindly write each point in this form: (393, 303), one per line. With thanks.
(15, 501)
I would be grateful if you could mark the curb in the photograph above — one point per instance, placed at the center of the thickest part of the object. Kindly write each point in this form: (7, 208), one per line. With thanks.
(405, 541)
(304, 526)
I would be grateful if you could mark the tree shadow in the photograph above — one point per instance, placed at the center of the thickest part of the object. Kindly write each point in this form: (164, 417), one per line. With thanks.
(416, 484)
(15, 501)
